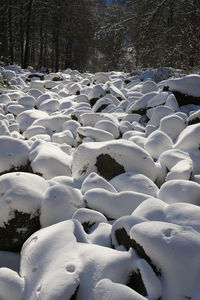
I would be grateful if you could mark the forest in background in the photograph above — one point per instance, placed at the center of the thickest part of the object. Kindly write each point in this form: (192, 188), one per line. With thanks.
(99, 35)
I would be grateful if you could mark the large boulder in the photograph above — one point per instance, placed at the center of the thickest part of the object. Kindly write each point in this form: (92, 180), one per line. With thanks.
(112, 158)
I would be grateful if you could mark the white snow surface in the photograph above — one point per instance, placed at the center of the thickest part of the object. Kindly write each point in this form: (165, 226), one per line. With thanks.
(189, 85)
(107, 167)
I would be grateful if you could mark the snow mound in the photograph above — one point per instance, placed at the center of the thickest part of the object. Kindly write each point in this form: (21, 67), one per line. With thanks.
(135, 182)
(20, 200)
(13, 154)
(12, 285)
(112, 158)
(106, 289)
(42, 153)
(59, 204)
(113, 205)
(189, 85)
(169, 248)
(69, 265)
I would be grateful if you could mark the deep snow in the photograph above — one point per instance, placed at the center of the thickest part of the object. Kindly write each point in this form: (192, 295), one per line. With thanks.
(99, 186)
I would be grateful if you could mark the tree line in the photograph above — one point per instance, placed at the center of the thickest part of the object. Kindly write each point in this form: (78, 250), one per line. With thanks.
(97, 35)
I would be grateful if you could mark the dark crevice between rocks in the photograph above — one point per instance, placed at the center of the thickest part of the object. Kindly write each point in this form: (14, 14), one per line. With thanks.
(81, 136)
(38, 75)
(57, 79)
(194, 121)
(127, 81)
(119, 98)
(87, 226)
(124, 239)
(74, 117)
(78, 93)
(27, 168)
(136, 283)
(139, 112)
(93, 101)
(17, 230)
(73, 297)
(107, 167)
(165, 89)
(103, 106)
(186, 99)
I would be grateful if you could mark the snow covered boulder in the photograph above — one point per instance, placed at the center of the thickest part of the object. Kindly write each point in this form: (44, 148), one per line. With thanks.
(182, 170)
(135, 182)
(4, 99)
(26, 118)
(8, 74)
(149, 86)
(96, 93)
(157, 100)
(189, 138)
(113, 205)
(101, 77)
(173, 156)
(158, 113)
(139, 106)
(175, 164)
(168, 248)
(157, 74)
(49, 105)
(65, 136)
(101, 104)
(13, 155)
(120, 233)
(11, 285)
(60, 203)
(88, 218)
(108, 126)
(157, 143)
(58, 263)
(98, 135)
(4, 127)
(93, 180)
(152, 209)
(180, 191)
(172, 125)
(90, 119)
(42, 153)
(34, 130)
(186, 89)
(27, 100)
(16, 109)
(106, 289)
(188, 141)
(53, 123)
(112, 158)
(194, 117)
(20, 201)
(72, 126)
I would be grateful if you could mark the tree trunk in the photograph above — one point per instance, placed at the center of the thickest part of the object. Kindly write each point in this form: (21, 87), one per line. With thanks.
(27, 44)
(11, 46)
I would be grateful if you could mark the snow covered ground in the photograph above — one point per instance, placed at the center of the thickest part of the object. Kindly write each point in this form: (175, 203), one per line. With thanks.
(99, 186)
